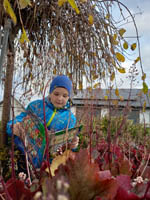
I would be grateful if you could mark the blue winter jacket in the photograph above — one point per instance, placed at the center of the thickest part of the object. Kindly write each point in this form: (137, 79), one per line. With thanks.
(56, 120)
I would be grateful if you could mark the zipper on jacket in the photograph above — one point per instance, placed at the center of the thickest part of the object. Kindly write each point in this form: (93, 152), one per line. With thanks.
(50, 120)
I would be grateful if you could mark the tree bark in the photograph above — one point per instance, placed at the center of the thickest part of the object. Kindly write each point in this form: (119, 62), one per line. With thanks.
(7, 96)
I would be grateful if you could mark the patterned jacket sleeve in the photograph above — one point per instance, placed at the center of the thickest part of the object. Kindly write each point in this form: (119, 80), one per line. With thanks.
(19, 118)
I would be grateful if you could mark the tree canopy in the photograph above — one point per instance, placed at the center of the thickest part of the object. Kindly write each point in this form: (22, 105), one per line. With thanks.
(79, 38)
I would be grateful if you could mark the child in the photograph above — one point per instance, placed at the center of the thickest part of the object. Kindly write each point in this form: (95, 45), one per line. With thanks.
(57, 115)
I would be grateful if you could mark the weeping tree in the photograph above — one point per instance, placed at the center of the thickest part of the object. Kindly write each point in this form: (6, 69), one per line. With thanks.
(78, 38)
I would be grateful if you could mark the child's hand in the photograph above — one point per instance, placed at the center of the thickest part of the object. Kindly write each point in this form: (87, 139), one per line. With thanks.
(18, 129)
(74, 143)
(71, 145)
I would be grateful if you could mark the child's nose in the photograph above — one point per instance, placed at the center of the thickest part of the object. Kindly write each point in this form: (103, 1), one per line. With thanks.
(60, 97)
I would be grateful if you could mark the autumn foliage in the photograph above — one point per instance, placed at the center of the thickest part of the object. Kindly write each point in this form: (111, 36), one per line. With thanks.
(78, 176)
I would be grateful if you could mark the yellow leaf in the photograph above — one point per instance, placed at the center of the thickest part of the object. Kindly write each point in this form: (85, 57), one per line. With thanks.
(145, 88)
(54, 71)
(94, 66)
(133, 46)
(115, 36)
(115, 42)
(96, 85)
(10, 11)
(24, 3)
(93, 6)
(115, 102)
(122, 70)
(86, 63)
(74, 6)
(61, 159)
(125, 45)
(117, 92)
(91, 97)
(112, 76)
(107, 16)
(83, 72)
(95, 77)
(103, 74)
(112, 50)
(24, 37)
(61, 2)
(121, 98)
(144, 106)
(93, 54)
(120, 57)
(80, 85)
(136, 60)
(90, 19)
(89, 89)
(122, 31)
(83, 1)
(144, 77)
(107, 92)
(106, 98)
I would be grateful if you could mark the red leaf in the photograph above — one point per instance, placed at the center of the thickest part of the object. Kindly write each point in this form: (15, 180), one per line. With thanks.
(17, 190)
(124, 195)
(125, 167)
(103, 175)
(124, 182)
(85, 180)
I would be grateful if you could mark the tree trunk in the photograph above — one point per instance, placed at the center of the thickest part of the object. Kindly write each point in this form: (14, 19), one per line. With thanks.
(7, 96)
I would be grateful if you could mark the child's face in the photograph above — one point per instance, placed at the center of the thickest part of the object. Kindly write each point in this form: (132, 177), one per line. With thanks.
(59, 97)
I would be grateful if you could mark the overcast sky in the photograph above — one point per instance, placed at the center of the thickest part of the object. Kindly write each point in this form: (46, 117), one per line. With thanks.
(141, 10)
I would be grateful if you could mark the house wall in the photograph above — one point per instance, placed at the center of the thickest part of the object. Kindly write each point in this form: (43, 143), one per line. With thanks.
(133, 114)
(145, 117)
(104, 112)
(17, 109)
(83, 112)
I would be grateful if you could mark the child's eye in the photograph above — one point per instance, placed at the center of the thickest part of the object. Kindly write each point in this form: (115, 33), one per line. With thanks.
(56, 94)
(65, 96)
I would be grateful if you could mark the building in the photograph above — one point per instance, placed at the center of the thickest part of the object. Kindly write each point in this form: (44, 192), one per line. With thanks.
(18, 108)
(101, 102)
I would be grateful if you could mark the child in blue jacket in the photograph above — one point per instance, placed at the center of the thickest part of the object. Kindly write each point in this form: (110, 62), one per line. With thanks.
(58, 115)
